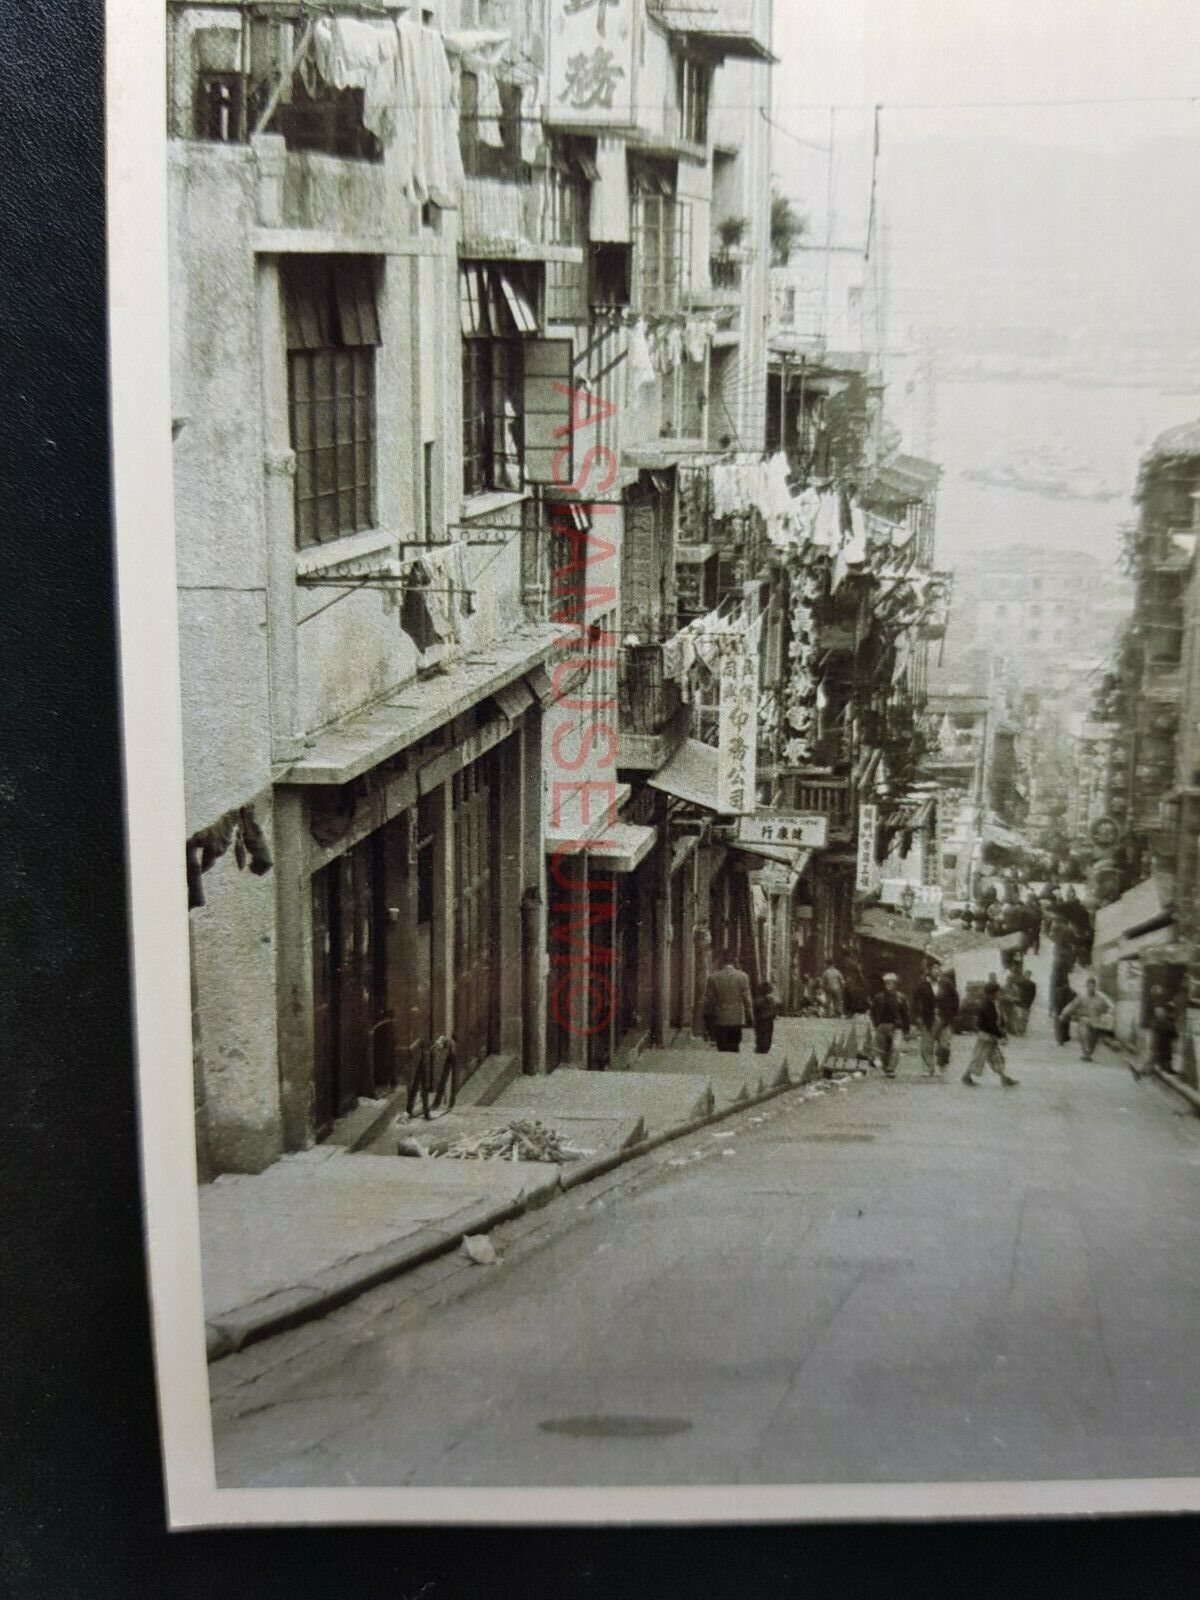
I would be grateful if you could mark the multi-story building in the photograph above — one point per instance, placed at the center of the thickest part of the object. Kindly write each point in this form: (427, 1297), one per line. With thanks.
(451, 332)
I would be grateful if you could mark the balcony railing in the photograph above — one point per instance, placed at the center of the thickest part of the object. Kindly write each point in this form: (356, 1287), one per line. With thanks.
(726, 273)
(827, 797)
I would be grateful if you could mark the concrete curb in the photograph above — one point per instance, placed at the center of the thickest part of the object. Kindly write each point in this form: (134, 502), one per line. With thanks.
(1182, 1089)
(336, 1286)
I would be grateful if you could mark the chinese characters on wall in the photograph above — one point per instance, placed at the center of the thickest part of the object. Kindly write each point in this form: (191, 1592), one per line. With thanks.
(591, 61)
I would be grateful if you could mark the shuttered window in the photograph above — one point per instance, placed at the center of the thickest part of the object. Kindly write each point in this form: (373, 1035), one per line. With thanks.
(332, 325)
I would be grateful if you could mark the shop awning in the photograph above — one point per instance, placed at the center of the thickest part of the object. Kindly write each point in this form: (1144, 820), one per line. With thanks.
(796, 859)
(1002, 838)
(624, 847)
(409, 713)
(884, 928)
(1142, 943)
(567, 831)
(691, 775)
(1137, 907)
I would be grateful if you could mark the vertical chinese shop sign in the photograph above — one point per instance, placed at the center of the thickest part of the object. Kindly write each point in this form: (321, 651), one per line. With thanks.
(591, 62)
(738, 746)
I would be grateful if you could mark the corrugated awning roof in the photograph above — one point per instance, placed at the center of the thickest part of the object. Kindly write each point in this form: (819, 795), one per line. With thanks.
(568, 831)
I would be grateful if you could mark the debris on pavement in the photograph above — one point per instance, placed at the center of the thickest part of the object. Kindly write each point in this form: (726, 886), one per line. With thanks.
(520, 1140)
(477, 1247)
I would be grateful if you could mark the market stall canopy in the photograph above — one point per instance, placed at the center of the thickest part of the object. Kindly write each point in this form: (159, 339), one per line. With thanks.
(1002, 838)
(885, 928)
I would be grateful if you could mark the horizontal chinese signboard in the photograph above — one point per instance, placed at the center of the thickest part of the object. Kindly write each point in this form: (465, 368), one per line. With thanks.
(807, 830)
(591, 63)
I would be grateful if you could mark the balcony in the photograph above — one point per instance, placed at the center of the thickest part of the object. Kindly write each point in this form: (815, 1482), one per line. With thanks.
(653, 715)
(822, 795)
(727, 29)
(513, 219)
(727, 274)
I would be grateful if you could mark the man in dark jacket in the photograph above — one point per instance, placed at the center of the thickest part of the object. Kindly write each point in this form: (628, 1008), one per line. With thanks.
(728, 1007)
(924, 1006)
(988, 1040)
(889, 1011)
(946, 1007)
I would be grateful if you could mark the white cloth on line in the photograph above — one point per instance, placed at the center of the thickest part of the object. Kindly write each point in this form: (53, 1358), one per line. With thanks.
(353, 54)
(641, 367)
(608, 220)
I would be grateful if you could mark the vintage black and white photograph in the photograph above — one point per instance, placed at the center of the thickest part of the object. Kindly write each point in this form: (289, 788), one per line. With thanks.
(684, 640)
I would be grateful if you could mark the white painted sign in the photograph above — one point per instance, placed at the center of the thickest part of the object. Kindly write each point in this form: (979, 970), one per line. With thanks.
(737, 750)
(868, 827)
(807, 830)
(591, 63)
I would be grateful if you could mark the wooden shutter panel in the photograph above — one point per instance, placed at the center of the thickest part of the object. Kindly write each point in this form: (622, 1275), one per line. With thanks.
(547, 404)
(354, 288)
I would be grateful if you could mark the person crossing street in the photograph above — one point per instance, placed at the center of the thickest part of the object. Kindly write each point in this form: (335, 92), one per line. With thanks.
(1093, 1011)
(989, 1040)
(946, 1009)
(889, 1011)
(924, 1014)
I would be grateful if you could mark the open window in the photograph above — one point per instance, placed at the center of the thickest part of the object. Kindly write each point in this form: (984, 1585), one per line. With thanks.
(516, 383)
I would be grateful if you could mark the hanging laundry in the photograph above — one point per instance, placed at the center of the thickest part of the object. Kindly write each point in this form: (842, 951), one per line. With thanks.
(641, 364)
(609, 209)
(531, 122)
(488, 108)
(254, 842)
(415, 614)
(426, 83)
(856, 546)
(675, 346)
(695, 339)
(353, 54)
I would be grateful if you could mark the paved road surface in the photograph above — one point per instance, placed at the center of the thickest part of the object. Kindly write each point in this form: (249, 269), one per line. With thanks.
(904, 1280)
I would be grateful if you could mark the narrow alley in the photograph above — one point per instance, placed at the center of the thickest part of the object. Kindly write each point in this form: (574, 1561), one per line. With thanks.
(892, 1280)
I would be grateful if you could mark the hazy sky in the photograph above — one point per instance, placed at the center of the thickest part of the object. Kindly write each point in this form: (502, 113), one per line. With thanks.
(856, 51)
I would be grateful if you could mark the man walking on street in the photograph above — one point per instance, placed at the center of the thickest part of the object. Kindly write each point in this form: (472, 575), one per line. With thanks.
(728, 1005)
(889, 1012)
(833, 988)
(946, 1003)
(989, 1038)
(924, 1006)
(1093, 1012)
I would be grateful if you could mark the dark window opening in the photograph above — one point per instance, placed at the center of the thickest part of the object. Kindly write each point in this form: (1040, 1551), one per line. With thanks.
(332, 328)
(693, 82)
(498, 308)
(220, 107)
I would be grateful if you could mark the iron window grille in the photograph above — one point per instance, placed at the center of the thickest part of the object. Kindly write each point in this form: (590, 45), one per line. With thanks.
(332, 328)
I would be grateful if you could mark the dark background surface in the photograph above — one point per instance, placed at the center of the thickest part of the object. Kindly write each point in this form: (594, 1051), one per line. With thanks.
(80, 1494)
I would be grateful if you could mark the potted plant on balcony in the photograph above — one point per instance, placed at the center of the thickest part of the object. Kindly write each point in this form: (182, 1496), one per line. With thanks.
(731, 231)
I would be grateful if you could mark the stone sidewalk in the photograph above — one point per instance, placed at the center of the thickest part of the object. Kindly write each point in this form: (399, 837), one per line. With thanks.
(323, 1225)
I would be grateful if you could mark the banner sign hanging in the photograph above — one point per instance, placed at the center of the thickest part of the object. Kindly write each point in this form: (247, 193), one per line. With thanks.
(737, 751)
(868, 828)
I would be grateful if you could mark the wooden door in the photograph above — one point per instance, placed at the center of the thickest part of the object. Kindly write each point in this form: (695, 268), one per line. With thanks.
(475, 804)
(325, 1001)
(675, 1013)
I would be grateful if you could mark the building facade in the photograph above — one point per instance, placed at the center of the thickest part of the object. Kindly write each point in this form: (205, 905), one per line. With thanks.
(457, 344)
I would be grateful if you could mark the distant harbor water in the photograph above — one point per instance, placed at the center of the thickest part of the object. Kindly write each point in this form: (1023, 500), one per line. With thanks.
(1049, 462)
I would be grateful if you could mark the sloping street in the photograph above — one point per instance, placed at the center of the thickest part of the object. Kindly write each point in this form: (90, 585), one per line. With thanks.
(893, 1280)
